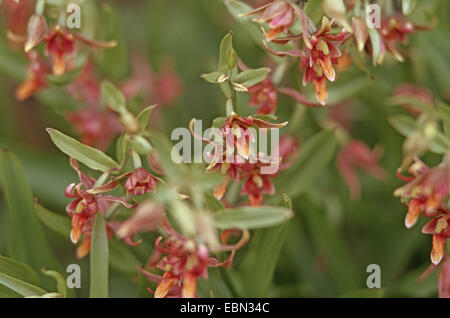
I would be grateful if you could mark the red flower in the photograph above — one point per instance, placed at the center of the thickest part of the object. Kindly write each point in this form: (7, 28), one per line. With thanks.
(264, 95)
(256, 185)
(425, 191)
(356, 154)
(184, 261)
(88, 201)
(237, 134)
(35, 81)
(318, 60)
(394, 29)
(439, 227)
(278, 14)
(60, 46)
(139, 182)
(319, 55)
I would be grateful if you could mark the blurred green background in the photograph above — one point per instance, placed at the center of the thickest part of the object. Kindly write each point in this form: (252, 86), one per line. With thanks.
(332, 239)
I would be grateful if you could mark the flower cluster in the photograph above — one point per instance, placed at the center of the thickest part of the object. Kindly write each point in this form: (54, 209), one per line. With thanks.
(425, 194)
(183, 261)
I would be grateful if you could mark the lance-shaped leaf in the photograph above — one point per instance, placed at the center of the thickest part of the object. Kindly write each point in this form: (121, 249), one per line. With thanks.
(28, 243)
(251, 77)
(114, 97)
(259, 264)
(91, 157)
(376, 46)
(122, 259)
(211, 203)
(144, 116)
(336, 9)
(99, 259)
(237, 9)
(228, 57)
(56, 222)
(18, 270)
(314, 156)
(408, 6)
(20, 287)
(251, 217)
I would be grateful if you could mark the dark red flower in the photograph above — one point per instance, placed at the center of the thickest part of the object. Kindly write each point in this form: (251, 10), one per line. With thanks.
(140, 181)
(184, 261)
(278, 14)
(35, 81)
(439, 227)
(88, 201)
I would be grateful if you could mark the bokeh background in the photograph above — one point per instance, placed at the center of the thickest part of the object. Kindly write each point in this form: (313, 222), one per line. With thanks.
(332, 239)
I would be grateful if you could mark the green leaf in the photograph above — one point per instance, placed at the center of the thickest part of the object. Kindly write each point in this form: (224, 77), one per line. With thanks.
(236, 8)
(56, 222)
(251, 77)
(99, 259)
(251, 217)
(164, 148)
(212, 77)
(376, 48)
(262, 255)
(405, 125)
(15, 269)
(114, 97)
(444, 114)
(144, 117)
(28, 243)
(212, 204)
(122, 259)
(20, 286)
(114, 62)
(91, 157)
(314, 156)
(408, 6)
(60, 281)
(228, 57)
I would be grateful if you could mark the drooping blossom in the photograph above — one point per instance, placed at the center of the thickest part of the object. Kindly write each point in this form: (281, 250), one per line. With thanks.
(394, 30)
(425, 194)
(278, 14)
(357, 155)
(140, 181)
(254, 169)
(318, 61)
(318, 56)
(35, 80)
(60, 48)
(184, 261)
(88, 200)
(439, 227)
